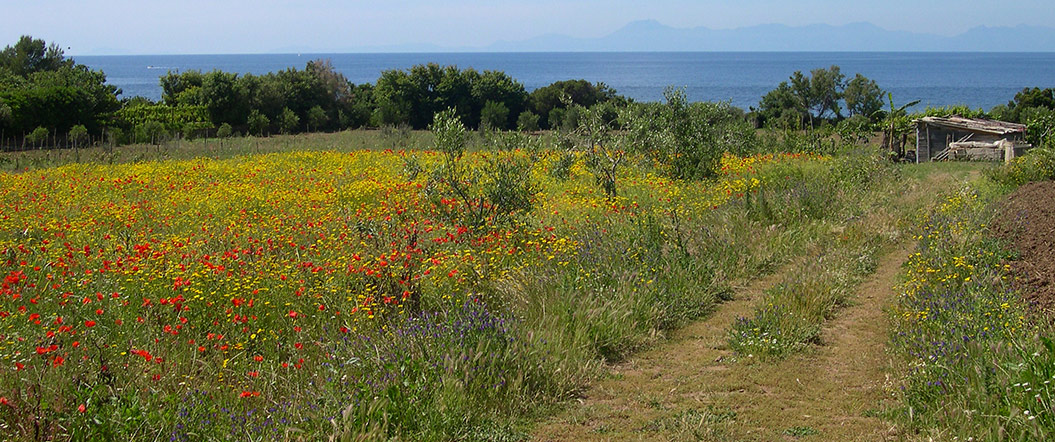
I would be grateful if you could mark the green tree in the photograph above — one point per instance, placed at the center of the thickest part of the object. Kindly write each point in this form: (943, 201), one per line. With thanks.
(498, 87)
(572, 117)
(258, 122)
(863, 96)
(562, 94)
(896, 126)
(301, 90)
(358, 109)
(224, 131)
(38, 137)
(555, 117)
(5, 114)
(78, 135)
(489, 193)
(338, 90)
(396, 97)
(288, 121)
(174, 85)
(31, 55)
(803, 99)
(527, 121)
(455, 90)
(151, 131)
(317, 118)
(820, 92)
(1023, 107)
(224, 98)
(494, 116)
(781, 108)
(40, 88)
(687, 139)
(603, 154)
(414, 96)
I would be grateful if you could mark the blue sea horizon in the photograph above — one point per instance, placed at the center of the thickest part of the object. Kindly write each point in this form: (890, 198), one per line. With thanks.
(976, 80)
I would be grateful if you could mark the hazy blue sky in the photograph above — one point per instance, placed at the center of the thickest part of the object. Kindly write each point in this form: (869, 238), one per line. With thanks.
(248, 26)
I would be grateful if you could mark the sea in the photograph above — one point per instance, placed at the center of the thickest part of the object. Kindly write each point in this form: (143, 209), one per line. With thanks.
(977, 80)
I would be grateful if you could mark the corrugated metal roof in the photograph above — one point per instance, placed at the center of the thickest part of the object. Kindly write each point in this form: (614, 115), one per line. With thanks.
(975, 124)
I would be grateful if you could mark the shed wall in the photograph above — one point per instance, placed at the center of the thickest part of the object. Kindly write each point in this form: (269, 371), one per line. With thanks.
(932, 139)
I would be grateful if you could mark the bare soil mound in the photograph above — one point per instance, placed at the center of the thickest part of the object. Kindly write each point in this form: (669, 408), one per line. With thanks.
(1028, 222)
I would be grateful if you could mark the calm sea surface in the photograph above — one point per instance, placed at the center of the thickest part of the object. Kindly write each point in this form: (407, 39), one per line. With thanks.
(974, 79)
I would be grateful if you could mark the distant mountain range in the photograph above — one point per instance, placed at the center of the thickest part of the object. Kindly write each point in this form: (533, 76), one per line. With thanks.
(650, 35)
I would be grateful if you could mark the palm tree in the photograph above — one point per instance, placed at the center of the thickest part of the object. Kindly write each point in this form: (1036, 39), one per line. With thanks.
(894, 124)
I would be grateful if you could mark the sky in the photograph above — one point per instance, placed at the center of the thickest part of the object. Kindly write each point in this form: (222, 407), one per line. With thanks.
(88, 27)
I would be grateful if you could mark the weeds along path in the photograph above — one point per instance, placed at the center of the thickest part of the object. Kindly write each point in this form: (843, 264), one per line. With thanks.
(693, 387)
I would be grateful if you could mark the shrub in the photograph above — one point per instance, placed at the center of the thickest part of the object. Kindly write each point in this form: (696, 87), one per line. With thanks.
(224, 131)
(1036, 165)
(528, 121)
(494, 116)
(477, 197)
(317, 117)
(688, 139)
(78, 135)
(603, 155)
(38, 136)
(288, 121)
(152, 132)
(258, 122)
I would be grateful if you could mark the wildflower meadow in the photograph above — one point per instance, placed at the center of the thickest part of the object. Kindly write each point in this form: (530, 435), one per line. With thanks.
(307, 293)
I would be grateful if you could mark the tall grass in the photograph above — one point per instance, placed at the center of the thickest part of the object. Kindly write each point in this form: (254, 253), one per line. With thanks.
(973, 366)
(1036, 165)
(790, 315)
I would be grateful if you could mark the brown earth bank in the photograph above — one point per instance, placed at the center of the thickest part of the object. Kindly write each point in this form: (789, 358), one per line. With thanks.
(1027, 221)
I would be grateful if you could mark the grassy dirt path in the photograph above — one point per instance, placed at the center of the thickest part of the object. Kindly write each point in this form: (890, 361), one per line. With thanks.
(693, 388)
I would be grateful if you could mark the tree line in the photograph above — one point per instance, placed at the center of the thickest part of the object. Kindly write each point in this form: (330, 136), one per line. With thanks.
(825, 100)
(44, 94)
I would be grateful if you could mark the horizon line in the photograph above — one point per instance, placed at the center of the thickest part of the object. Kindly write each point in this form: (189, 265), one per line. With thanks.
(864, 51)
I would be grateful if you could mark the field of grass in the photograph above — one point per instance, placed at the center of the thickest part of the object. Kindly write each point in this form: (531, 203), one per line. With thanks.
(336, 286)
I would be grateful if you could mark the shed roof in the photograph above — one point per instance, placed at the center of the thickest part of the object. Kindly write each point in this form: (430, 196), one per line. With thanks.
(975, 124)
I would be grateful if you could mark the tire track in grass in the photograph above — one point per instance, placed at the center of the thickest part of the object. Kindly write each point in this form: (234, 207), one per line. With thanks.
(646, 388)
(693, 388)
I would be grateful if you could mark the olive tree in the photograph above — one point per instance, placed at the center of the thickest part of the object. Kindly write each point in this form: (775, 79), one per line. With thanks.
(863, 96)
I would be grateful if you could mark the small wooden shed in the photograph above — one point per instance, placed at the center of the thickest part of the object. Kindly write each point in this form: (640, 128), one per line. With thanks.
(940, 138)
